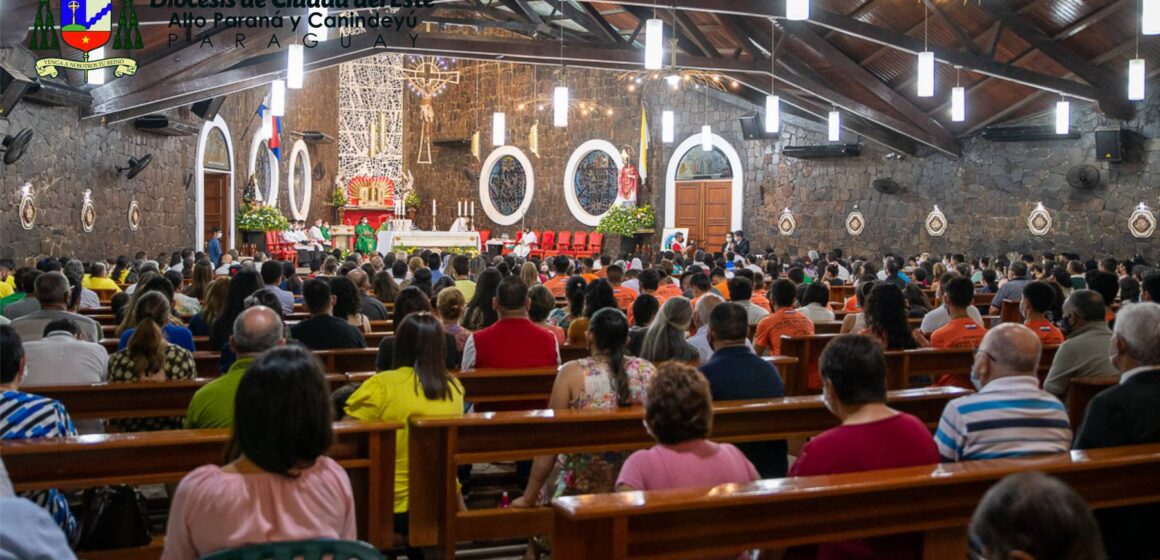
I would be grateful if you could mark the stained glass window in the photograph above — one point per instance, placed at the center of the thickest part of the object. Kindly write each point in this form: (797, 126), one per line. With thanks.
(507, 185)
(699, 164)
(262, 171)
(216, 153)
(595, 182)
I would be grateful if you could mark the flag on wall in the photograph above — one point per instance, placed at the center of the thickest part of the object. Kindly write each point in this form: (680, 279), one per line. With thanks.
(271, 126)
(642, 164)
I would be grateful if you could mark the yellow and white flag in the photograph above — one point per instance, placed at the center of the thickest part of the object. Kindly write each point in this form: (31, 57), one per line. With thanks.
(642, 165)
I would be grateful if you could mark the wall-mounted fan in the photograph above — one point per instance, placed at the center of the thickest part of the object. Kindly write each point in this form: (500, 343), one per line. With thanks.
(136, 166)
(886, 186)
(14, 146)
(1083, 177)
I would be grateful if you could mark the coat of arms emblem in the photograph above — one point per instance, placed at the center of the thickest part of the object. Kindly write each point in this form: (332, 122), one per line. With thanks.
(86, 25)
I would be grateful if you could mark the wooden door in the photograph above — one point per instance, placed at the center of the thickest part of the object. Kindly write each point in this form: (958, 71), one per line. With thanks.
(217, 211)
(706, 208)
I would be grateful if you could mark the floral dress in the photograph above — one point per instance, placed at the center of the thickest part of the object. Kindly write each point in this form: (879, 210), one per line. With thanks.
(179, 364)
(595, 473)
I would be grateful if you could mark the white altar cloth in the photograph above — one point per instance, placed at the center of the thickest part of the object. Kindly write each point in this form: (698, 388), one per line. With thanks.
(388, 240)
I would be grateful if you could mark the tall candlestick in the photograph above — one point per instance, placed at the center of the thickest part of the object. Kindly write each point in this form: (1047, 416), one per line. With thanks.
(473, 208)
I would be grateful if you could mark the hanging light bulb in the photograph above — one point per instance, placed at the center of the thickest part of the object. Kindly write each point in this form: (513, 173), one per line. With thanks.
(498, 129)
(1150, 17)
(958, 104)
(772, 114)
(926, 74)
(560, 106)
(294, 66)
(1062, 117)
(317, 22)
(835, 126)
(278, 98)
(654, 38)
(706, 138)
(797, 10)
(667, 127)
(673, 79)
(1136, 79)
(267, 129)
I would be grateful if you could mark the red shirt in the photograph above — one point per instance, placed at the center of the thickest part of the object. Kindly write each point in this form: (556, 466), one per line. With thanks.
(899, 441)
(963, 332)
(1047, 333)
(785, 321)
(514, 344)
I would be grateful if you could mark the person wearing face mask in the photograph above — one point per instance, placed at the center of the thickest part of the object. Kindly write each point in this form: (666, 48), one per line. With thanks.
(1085, 352)
(872, 436)
(1010, 416)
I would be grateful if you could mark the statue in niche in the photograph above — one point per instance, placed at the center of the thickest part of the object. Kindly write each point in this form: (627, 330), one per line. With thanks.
(628, 182)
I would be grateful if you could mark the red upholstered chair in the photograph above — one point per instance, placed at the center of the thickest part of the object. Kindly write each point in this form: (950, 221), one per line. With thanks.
(547, 245)
(595, 244)
(579, 244)
(280, 250)
(563, 243)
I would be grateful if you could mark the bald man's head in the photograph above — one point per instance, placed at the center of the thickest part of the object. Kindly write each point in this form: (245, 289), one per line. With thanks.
(1012, 349)
(256, 330)
(359, 278)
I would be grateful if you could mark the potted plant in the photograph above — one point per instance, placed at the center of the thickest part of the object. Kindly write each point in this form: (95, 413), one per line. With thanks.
(412, 200)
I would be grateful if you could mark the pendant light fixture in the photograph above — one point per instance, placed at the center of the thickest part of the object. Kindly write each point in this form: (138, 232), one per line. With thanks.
(1062, 117)
(797, 10)
(560, 94)
(1136, 72)
(295, 63)
(958, 100)
(668, 125)
(654, 41)
(674, 77)
(278, 98)
(1150, 17)
(498, 118)
(835, 125)
(706, 132)
(772, 101)
(925, 80)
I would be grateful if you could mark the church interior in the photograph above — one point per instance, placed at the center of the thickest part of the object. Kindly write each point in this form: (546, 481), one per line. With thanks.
(762, 234)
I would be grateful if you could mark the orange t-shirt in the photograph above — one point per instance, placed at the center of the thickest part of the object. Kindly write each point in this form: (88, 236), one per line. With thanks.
(1109, 315)
(668, 290)
(852, 304)
(761, 301)
(556, 285)
(624, 297)
(785, 321)
(724, 289)
(602, 273)
(590, 278)
(1047, 333)
(963, 332)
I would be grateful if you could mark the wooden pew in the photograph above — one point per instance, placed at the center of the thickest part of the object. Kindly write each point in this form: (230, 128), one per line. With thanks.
(840, 293)
(1080, 393)
(827, 327)
(103, 310)
(937, 501)
(201, 343)
(366, 450)
(901, 365)
(438, 445)
(383, 326)
(333, 361)
(807, 349)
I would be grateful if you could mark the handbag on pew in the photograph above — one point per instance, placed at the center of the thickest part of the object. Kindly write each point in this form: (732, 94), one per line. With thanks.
(114, 517)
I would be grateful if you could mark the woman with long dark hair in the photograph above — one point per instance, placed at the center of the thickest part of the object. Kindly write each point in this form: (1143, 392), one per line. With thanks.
(574, 293)
(277, 484)
(607, 380)
(386, 290)
(241, 286)
(417, 384)
(120, 269)
(886, 319)
(202, 276)
(480, 313)
(597, 295)
(411, 300)
(348, 303)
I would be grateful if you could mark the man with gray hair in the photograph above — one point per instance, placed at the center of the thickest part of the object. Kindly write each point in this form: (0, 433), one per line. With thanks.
(1085, 352)
(1010, 416)
(1129, 414)
(369, 306)
(52, 291)
(256, 330)
(701, 312)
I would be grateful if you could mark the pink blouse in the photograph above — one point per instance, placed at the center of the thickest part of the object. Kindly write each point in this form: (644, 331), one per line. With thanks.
(215, 510)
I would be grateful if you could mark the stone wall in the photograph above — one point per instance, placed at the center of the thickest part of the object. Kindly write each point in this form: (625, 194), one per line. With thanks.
(986, 195)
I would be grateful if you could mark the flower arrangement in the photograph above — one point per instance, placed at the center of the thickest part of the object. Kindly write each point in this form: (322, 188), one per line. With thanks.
(412, 199)
(259, 217)
(339, 199)
(621, 220)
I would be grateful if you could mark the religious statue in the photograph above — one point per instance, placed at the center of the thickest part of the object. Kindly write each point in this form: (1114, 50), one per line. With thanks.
(628, 182)
(365, 242)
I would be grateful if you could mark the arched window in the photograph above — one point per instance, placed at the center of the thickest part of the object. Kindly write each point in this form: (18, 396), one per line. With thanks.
(699, 164)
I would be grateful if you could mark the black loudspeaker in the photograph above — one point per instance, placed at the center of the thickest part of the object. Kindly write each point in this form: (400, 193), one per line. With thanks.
(1109, 145)
(752, 126)
(208, 108)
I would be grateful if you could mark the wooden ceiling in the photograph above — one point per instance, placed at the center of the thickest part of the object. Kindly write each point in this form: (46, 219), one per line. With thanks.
(1017, 57)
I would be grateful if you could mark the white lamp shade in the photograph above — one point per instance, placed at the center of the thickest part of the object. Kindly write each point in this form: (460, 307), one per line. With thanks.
(498, 129)
(278, 98)
(267, 130)
(560, 106)
(668, 126)
(958, 104)
(1136, 79)
(1150, 18)
(925, 74)
(706, 138)
(797, 9)
(654, 40)
(97, 77)
(294, 66)
(772, 113)
(835, 126)
(1062, 117)
(316, 22)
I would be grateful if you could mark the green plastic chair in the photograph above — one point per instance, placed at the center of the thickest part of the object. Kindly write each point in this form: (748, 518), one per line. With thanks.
(316, 549)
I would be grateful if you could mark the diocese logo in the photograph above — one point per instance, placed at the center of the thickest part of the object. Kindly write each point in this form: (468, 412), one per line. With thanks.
(86, 25)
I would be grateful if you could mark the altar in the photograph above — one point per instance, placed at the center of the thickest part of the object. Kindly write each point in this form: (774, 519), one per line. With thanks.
(446, 241)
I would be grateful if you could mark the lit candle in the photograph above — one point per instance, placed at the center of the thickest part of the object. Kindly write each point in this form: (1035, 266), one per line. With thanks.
(433, 205)
(473, 208)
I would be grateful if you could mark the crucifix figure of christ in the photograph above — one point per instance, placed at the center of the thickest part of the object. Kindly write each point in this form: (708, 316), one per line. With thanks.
(427, 79)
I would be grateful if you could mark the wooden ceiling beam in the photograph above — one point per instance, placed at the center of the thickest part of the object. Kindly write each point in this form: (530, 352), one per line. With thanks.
(729, 25)
(965, 40)
(600, 21)
(694, 34)
(582, 18)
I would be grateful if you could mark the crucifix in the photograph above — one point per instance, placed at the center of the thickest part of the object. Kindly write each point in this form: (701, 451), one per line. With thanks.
(427, 79)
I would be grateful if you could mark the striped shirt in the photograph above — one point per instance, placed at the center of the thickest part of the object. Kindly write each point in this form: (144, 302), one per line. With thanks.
(1010, 417)
(28, 416)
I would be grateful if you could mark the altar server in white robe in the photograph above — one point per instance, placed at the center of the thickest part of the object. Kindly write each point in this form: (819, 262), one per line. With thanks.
(524, 245)
(459, 225)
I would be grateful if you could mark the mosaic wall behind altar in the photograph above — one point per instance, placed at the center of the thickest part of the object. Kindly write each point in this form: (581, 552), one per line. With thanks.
(986, 195)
